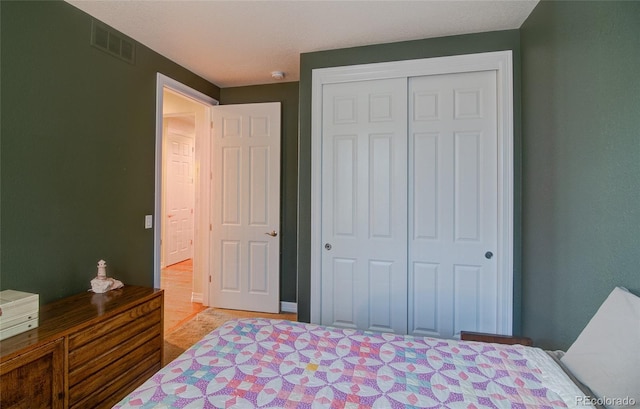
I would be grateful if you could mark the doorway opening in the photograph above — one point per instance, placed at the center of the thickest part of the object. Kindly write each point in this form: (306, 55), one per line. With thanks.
(181, 243)
(178, 208)
(221, 199)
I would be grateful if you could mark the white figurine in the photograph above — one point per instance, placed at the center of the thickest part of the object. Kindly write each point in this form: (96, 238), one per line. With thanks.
(102, 283)
(102, 269)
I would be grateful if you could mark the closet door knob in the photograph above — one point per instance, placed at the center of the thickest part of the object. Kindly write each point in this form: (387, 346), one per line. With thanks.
(488, 255)
(327, 246)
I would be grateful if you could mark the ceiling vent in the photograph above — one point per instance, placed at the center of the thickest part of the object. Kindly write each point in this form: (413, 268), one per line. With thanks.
(108, 40)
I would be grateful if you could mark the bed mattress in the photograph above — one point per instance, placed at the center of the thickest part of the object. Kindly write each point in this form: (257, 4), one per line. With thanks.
(260, 363)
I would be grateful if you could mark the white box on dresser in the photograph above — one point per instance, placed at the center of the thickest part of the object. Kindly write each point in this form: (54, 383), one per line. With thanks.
(18, 312)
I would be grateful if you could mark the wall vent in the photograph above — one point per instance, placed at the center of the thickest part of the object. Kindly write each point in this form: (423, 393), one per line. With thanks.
(108, 40)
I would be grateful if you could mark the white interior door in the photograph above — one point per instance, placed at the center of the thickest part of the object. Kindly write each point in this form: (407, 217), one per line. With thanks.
(177, 243)
(364, 205)
(453, 206)
(246, 207)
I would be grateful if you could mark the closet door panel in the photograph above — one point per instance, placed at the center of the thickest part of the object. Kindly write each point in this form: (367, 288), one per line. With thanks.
(452, 203)
(364, 208)
(343, 293)
(344, 185)
(425, 215)
(424, 276)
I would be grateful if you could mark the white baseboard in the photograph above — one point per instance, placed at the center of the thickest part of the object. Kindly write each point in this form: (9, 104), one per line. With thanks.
(290, 307)
(196, 297)
(286, 306)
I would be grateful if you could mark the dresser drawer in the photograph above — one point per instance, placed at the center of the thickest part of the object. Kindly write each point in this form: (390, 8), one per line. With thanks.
(82, 337)
(120, 387)
(104, 355)
(109, 346)
(128, 371)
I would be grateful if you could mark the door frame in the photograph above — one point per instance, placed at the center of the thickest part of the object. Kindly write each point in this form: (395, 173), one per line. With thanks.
(202, 217)
(502, 63)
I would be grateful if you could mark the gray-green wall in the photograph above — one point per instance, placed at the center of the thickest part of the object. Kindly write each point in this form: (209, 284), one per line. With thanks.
(287, 94)
(581, 163)
(77, 152)
(437, 47)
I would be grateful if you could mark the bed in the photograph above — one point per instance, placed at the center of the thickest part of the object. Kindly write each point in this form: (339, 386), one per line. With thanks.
(282, 364)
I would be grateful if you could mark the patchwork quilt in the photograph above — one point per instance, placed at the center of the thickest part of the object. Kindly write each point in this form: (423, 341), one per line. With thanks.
(260, 363)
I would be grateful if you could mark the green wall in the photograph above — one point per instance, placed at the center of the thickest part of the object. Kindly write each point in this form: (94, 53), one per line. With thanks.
(287, 94)
(581, 163)
(436, 47)
(77, 152)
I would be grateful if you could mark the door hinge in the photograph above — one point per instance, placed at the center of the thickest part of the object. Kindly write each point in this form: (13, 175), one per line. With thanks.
(210, 227)
(209, 278)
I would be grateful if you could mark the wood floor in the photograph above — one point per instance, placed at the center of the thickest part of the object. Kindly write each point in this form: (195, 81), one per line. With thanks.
(177, 282)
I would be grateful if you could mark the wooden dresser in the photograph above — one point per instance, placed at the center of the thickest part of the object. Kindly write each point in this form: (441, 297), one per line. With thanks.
(89, 351)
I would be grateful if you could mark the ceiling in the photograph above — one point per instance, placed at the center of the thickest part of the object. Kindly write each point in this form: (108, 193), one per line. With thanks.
(236, 42)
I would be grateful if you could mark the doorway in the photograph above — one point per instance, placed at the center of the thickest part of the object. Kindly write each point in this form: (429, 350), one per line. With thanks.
(182, 199)
(258, 272)
(180, 115)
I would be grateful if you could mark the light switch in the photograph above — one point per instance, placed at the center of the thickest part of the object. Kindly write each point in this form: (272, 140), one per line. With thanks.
(148, 221)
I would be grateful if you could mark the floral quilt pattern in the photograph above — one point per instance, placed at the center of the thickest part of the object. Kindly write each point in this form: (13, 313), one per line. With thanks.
(260, 363)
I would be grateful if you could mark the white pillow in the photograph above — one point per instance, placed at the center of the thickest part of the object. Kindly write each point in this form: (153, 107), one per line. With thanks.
(606, 355)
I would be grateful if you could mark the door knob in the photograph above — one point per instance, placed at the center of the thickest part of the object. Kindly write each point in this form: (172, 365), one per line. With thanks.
(272, 233)
(327, 246)
(488, 255)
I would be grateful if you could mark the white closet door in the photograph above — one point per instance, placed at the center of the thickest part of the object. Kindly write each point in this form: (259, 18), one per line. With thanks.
(453, 204)
(364, 205)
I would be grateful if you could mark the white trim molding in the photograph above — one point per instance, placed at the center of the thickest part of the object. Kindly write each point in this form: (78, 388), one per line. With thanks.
(196, 297)
(500, 62)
